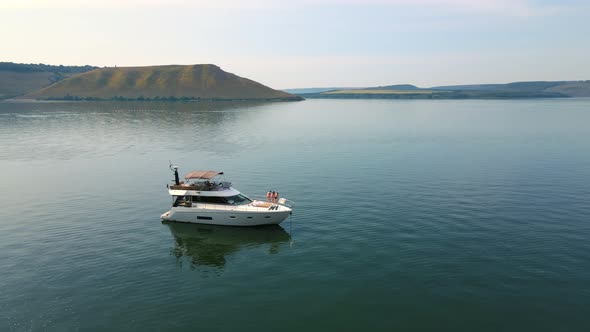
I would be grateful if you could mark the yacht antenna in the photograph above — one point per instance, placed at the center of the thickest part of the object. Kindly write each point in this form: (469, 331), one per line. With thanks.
(175, 170)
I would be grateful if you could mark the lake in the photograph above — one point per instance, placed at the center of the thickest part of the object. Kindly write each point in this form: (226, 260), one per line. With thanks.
(411, 215)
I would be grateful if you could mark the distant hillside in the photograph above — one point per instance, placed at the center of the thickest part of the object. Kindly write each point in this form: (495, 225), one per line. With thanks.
(397, 87)
(316, 90)
(566, 88)
(572, 89)
(382, 91)
(173, 82)
(17, 79)
(538, 89)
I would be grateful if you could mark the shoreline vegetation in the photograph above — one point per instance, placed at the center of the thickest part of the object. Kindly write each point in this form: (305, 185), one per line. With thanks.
(516, 90)
(434, 95)
(158, 98)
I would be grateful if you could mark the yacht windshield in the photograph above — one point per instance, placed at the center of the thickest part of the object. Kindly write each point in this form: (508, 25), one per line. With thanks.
(238, 199)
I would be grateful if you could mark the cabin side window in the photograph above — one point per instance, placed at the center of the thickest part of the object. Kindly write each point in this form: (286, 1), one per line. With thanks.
(232, 200)
(208, 199)
(181, 201)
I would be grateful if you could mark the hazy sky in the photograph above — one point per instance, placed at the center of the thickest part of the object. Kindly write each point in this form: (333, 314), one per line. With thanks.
(289, 44)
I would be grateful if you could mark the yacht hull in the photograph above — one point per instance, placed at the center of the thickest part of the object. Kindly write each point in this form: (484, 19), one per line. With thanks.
(227, 218)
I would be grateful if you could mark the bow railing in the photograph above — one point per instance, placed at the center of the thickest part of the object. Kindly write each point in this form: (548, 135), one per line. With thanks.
(281, 200)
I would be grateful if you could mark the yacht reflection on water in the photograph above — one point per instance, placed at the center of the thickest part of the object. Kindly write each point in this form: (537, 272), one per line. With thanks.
(208, 245)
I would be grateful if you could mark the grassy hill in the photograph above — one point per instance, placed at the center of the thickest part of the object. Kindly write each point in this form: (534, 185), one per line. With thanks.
(173, 82)
(317, 90)
(572, 89)
(14, 84)
(538, 89)
(17, 79)
(381, 91)
(397, 87)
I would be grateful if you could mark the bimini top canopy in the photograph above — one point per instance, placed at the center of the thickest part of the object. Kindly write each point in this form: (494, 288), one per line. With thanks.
(202, 175)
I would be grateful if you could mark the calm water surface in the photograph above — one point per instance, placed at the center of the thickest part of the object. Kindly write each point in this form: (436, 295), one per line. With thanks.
(410, 215)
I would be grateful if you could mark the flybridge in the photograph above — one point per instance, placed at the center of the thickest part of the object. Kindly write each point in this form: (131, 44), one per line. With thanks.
(200, 175)
(201, 181)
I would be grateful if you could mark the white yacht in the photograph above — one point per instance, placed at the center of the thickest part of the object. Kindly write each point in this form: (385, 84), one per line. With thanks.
(203, 199)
